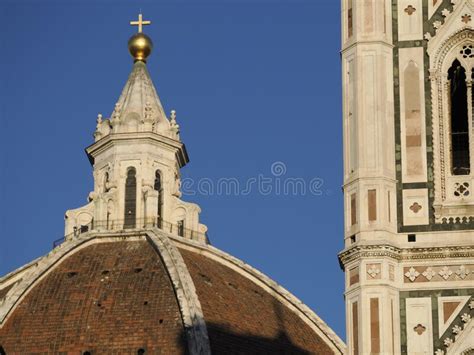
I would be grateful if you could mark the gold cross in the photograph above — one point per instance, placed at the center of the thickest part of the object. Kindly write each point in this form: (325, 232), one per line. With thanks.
(140, 23)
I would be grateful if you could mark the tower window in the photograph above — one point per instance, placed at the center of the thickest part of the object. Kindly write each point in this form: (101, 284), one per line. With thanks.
(460, 157)
(106, 181)
(350, 19)
(130, 198)
(158, 187)
(181, 228)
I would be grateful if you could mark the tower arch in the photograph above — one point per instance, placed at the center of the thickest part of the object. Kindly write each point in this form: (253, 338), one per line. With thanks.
(158, 186)
(130, 202)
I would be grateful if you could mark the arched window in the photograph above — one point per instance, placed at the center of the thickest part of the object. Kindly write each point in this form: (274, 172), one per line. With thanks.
(159, 187)
(130, 198)
(180, 225)
(460, 158)
(106, 181)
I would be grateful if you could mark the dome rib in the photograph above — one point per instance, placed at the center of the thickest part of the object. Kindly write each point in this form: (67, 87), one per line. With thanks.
(191, 311)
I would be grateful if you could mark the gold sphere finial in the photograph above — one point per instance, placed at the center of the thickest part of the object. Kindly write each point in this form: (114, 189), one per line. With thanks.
(140, 45)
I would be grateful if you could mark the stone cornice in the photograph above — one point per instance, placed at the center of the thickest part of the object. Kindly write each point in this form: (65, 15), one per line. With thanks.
(154, 138)
(359, 251)
(349, 45)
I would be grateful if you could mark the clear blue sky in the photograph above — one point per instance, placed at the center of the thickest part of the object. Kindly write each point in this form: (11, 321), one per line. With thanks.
(253, 82)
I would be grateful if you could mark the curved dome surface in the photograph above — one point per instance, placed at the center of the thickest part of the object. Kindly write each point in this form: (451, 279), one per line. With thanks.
(149, 292)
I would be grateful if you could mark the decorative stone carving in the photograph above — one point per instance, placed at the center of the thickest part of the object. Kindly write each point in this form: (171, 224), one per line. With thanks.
(461, 189)
(442, 273)
(409, 10)
(92, 196)
(98, 128)
(415, 207)
(429, 273)
(412, 274)
(448, 342)
(466, 18)
(466, 317)
(445, 12)
(177, 185)
(467, 51)
(116, 113)
(174, 126)
(419, 329)
(173, 117)
(462, 272)
(445, 273)
(457, 329)
(149, 112)
(373, 270)
(99, 120)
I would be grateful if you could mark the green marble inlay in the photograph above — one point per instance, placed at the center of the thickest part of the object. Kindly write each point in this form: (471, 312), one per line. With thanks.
(438, 339)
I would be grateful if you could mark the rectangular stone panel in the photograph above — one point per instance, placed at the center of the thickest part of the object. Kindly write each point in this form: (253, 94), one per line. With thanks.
(353, 276)
(353, 209)
(412, 115)
(372, 204)
(415, 207)
(419, 326)
(410, 20)
(355, 329)
(374, 326)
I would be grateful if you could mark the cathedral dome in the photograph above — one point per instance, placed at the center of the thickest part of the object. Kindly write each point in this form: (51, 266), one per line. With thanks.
(151, 292)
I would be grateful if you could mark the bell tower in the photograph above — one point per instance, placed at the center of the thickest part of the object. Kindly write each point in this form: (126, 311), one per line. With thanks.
(137, 156)
(407, 69)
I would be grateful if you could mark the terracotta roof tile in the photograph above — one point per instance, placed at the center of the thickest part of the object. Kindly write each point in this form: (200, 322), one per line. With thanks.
(106, 297)
(243, 318)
